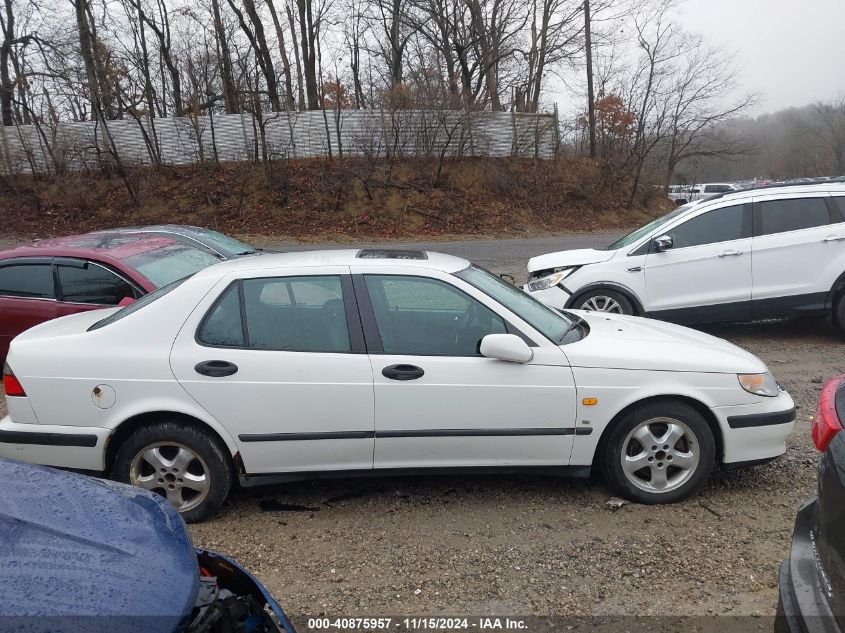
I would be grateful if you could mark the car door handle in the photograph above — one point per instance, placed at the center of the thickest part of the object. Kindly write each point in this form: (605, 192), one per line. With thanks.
(833, 238)
(730, 253)
(216, 368)
(402, 372)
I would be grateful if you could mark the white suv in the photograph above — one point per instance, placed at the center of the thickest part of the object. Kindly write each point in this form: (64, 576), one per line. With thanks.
(769, 252)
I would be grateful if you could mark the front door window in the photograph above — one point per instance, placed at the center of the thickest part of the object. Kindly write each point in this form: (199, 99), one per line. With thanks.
(421, 316)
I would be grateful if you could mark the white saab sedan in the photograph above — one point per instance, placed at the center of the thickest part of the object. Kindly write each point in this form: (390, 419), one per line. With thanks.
(353, 362)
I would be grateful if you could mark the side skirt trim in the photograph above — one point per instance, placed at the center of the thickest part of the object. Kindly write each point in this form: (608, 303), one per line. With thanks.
(360, 435)
(577, 472)
(48, 439)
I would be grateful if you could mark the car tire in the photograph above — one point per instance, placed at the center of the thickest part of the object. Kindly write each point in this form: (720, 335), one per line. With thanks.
(605, 300)
(838, 314)
(184, 463)
(670, 470)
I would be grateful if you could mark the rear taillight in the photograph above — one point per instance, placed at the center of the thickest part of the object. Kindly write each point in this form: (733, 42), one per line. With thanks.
(826, 424)
(10, 383)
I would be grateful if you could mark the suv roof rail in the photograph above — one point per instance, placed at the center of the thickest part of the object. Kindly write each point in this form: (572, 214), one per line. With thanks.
(775, 185)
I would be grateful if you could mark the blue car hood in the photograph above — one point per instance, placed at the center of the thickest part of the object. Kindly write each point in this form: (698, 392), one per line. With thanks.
(76, 549)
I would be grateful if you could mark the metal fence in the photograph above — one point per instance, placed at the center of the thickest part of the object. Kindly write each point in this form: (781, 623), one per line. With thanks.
(242, 137)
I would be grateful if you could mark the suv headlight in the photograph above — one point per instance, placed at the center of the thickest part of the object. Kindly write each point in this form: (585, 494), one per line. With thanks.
(550, 281)
(759, 384)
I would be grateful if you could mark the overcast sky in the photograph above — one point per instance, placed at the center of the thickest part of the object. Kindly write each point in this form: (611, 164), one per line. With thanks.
(790, 52)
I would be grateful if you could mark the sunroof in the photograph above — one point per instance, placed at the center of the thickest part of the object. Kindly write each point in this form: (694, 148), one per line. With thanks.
(390, 253)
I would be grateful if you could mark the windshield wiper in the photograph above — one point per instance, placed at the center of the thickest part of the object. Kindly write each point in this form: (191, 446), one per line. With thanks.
(570, 328)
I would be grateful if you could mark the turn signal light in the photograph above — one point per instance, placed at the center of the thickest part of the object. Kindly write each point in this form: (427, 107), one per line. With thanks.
(826, 424)
(589, 402)
(10, 383)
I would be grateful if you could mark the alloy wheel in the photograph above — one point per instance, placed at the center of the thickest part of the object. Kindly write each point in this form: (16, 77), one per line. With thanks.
(602, 303)
(174, 471)
(660, 455)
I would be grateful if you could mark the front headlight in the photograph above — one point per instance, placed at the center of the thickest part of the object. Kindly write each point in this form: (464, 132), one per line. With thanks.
(550, 281)
(759, 384)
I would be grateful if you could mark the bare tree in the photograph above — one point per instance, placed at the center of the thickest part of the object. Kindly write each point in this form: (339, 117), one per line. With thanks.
(829, 132)
(496, 25)
(283, 53)
(230, 97)
(556, 37)
(696, 107)
(254, 32)
(658, 43)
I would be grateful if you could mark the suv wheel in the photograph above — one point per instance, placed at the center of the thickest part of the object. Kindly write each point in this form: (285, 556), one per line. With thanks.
(180, 462)
(603, 300)
(659, 453)
(838, 314)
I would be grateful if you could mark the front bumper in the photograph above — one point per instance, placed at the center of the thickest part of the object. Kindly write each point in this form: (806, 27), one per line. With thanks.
(755, 433)
(803, 605)
(52, 445)
(555, 296)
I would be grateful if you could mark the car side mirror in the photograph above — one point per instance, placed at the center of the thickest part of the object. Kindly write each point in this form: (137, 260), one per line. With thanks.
(507, 347)
(663, 243)
(125, 302)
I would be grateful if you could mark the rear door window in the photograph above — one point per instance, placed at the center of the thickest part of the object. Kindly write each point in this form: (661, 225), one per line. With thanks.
(91, 283)
(295, 314)
(31, 281)
(792, 214)
(839, 201)
(223, 327)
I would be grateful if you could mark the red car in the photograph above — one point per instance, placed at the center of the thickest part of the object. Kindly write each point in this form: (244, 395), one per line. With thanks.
(56, 277)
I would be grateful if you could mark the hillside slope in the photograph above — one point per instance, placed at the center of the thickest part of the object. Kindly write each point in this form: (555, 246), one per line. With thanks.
(319, 198)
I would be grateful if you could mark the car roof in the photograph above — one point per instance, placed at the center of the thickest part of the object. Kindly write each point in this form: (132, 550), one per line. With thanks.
(781, 189)
(186, 229)
(381, 257)
(111, 245)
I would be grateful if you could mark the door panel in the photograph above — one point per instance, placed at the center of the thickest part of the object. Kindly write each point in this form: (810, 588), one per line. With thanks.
(459, 408)
(290, 409)
(706, 274)
(717, 276)
(27, 297)
(474, 412)
(18, 314)
(797, 255)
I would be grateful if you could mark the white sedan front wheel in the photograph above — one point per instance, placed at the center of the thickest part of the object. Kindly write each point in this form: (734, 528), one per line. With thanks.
(661, 452)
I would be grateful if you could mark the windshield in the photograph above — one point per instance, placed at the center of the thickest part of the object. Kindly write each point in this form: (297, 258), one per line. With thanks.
(137, 305)
(225, 244)
(553, 324)
(645, 230)
(169, 263)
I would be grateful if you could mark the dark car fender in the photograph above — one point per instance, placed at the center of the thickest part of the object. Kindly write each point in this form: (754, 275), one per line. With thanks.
(240, 581)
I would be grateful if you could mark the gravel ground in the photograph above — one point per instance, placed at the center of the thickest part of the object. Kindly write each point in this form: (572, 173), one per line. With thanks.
(530, 545)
